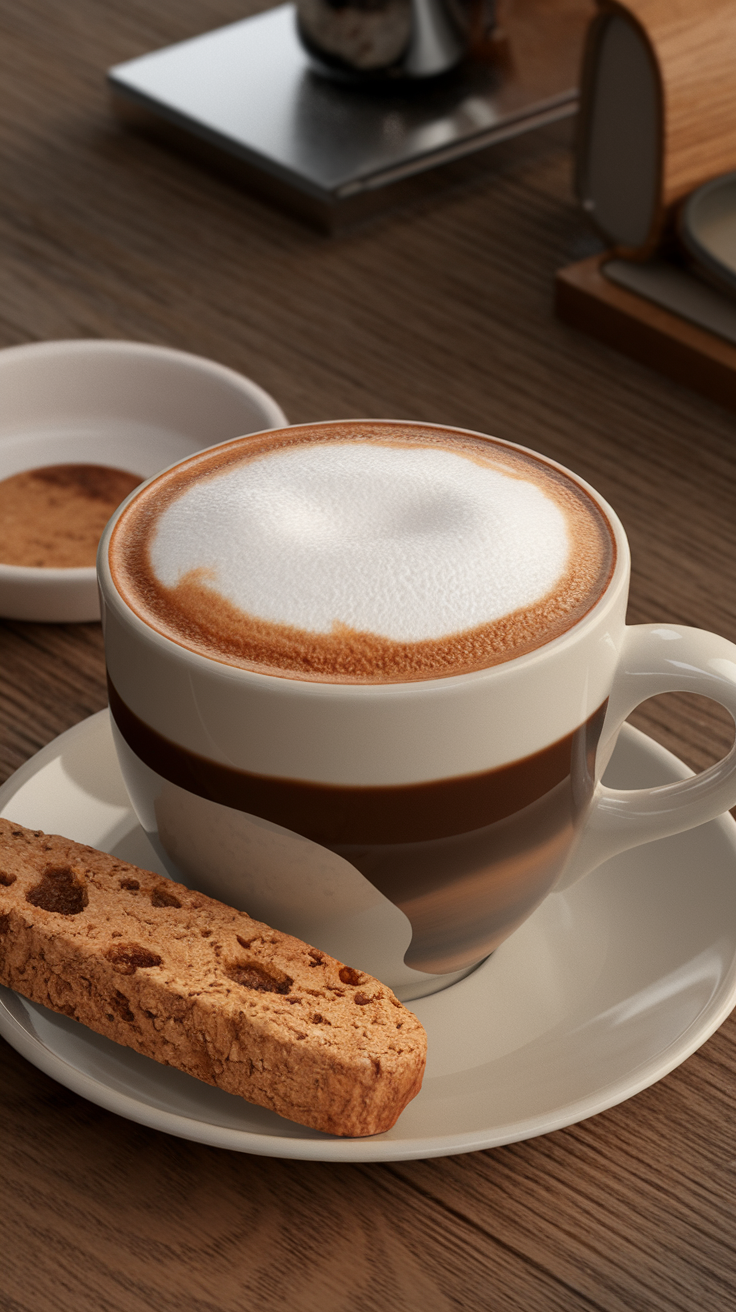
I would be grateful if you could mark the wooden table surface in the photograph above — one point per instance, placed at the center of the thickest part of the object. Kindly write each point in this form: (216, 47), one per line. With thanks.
(442, 312)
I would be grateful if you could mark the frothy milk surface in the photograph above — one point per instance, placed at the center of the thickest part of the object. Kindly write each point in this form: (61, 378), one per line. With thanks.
(367, 552)
(407, 543)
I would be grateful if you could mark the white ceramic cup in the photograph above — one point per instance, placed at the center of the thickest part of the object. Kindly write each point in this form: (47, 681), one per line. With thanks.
(240, 779)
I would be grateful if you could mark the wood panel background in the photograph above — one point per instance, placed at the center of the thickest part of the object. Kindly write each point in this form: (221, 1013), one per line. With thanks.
(442, 312)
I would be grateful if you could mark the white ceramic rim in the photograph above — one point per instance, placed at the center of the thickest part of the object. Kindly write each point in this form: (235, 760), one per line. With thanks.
(618, 580)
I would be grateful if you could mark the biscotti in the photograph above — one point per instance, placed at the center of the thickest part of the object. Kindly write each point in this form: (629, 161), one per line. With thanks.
(197, 985)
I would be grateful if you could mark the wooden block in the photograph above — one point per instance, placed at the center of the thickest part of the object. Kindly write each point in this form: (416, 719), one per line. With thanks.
(587, 300)
(658, 139)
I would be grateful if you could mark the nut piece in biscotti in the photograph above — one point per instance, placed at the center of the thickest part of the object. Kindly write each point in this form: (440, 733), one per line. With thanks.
(200, 986)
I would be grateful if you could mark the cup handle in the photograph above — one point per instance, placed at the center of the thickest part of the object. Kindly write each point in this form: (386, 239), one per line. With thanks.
(655, 659)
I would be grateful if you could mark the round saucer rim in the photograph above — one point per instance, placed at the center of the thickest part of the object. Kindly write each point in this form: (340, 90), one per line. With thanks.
(379, 1149)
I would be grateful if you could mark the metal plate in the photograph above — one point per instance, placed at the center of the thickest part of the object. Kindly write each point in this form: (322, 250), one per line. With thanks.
(246, 92)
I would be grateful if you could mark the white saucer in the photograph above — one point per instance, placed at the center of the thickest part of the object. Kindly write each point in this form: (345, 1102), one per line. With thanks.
(604, 990)
(128, 404)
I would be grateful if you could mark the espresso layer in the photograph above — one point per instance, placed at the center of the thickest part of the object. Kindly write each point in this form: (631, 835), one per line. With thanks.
(435, 529)
(335, 815)
(466, 859)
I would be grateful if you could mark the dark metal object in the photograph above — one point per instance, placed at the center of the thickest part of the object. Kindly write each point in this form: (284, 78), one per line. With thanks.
(371, 40)
(707, 229)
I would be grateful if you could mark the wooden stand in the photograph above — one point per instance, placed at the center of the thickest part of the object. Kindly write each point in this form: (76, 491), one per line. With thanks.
(587, 300)
(688, 116)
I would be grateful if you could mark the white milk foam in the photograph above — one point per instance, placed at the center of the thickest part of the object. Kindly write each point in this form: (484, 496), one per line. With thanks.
(408, 543)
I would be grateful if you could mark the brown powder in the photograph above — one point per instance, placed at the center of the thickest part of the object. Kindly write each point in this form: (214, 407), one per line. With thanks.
(53, 517)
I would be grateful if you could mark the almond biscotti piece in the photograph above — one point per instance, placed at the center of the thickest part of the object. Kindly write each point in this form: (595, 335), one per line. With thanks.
(197, 985)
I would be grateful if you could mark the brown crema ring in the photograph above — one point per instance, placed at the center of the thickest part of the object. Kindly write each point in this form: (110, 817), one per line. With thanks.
(194, 615)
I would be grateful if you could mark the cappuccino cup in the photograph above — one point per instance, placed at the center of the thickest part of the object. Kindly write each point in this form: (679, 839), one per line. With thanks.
(364, 680)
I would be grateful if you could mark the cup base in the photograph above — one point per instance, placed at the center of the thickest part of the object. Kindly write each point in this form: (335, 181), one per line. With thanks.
(435, 984)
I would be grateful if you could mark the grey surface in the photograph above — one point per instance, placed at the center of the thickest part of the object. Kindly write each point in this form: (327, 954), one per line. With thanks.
(708, 229)
(673, 288)
(248, 89)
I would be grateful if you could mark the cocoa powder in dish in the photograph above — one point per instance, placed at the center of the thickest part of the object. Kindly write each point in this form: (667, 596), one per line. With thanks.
(52, 517)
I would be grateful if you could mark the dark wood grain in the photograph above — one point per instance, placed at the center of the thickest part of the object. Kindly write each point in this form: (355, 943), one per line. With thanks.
(682, 351)
(442, 312)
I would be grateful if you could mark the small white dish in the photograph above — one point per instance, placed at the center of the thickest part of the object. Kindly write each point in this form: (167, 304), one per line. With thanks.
(707, 226)
(605, 989)
(126, 404)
